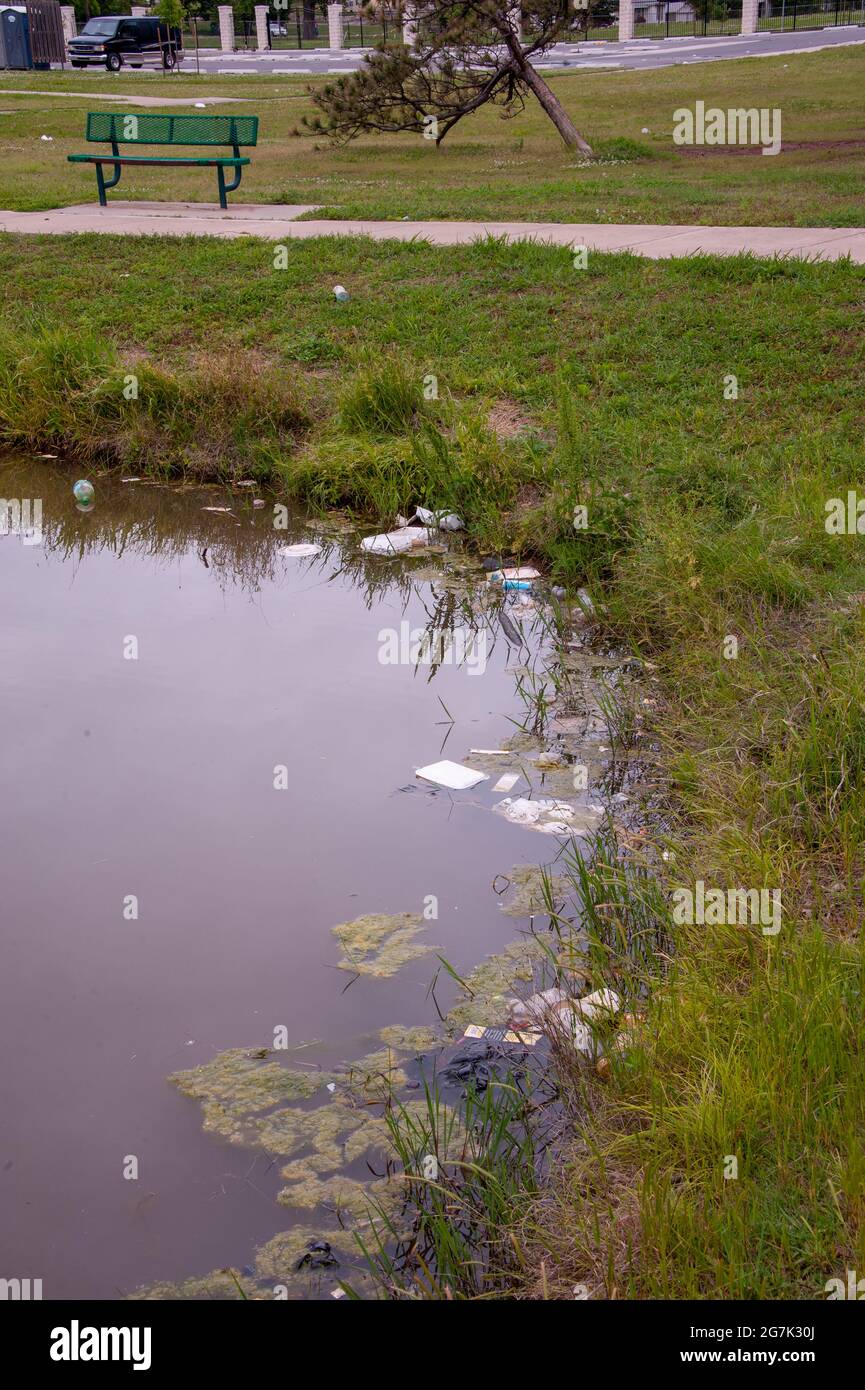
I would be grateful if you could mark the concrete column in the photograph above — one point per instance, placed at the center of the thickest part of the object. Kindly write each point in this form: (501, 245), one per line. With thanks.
(334, 26)
(139, 11)
(67, 19)
(409, 26)
(626, 19)
(226, 28)
(261, 35)
(749, 16)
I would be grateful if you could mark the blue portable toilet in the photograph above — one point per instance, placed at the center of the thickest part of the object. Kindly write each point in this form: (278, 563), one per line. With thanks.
(14, 38)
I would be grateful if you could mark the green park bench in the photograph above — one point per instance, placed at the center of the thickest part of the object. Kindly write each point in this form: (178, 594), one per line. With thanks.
(109, 128)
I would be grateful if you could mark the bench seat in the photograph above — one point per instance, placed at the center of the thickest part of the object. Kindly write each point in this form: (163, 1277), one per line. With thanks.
(155, 159)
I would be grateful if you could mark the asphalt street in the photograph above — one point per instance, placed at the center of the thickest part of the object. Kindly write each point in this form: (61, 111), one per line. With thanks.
(600, 54)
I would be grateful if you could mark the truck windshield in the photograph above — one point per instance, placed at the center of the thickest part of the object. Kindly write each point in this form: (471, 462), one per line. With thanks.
(105, 28)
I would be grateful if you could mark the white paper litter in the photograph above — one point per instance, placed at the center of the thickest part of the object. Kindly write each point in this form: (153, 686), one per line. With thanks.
(603, 1001)
(550, 817)
(445, 521)
(298, 551)
(507, 782)
(521, 572)
(396, 542)
(453, 775)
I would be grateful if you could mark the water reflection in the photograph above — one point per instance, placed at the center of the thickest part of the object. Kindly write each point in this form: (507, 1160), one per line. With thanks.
(155, 778)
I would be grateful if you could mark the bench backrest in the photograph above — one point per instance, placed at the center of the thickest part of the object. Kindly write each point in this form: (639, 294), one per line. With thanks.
(136, 128)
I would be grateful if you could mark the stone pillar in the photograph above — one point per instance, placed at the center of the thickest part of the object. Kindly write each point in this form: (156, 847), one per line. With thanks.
(626, 19)
(262, 38)
(749, 16)
(334, 26)
(67, 19)
(409, 27)
(226, 27)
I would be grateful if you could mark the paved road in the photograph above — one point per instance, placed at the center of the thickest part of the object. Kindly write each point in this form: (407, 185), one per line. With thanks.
(638, 53)
(276, 222)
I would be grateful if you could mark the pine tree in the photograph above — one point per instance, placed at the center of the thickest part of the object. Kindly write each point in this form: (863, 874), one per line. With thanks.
(468, 53)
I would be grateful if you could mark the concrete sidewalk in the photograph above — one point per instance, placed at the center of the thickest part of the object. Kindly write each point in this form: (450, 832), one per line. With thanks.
(277, 222)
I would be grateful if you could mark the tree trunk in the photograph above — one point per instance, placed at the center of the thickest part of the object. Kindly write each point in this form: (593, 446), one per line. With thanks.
(556, 112)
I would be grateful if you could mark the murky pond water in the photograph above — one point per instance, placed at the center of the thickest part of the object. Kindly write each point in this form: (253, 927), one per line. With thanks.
(151, 776)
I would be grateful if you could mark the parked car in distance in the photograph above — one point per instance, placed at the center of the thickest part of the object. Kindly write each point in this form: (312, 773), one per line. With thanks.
(112, 40)
(600, 15)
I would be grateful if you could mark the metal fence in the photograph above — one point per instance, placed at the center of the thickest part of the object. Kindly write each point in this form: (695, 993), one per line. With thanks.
(673, 19)
(670, 19)
(305, 26)
(785, 15)
(656, 19)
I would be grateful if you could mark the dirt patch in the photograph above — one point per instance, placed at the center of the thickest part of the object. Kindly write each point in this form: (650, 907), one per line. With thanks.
(787, 147)
(506, 419)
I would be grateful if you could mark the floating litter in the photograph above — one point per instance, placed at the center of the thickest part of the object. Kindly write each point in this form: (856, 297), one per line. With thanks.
(508, 1035)
(84, 492)
(507, 782)
(300, 550)
(453, 775)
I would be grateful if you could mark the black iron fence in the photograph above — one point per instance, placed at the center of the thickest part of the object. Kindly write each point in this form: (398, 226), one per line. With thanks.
(306, 26)
(671, 19)
(674, 19)
(785, 15)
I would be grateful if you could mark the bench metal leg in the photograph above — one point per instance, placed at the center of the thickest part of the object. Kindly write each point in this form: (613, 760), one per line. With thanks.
(102, 183)
(227, 187)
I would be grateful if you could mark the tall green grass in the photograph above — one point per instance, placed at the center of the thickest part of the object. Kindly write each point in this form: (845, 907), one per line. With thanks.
(466, 1175)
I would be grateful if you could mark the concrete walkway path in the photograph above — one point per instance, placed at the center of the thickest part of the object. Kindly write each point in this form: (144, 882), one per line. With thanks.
(277, 222)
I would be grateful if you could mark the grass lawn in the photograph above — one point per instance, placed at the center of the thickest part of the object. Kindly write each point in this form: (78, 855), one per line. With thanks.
(488, 168)
(558, 386)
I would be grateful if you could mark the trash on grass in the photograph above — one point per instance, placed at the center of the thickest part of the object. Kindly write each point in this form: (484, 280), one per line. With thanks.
(519, 577)
(445, 521)
(341, 293)
(525, 1013)
(556, 1012)
(602, 1001)
(453, 775)
(587, 607)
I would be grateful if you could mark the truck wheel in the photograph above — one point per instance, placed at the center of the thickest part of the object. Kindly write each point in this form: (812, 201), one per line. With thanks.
(168, 60)
(113, 62)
